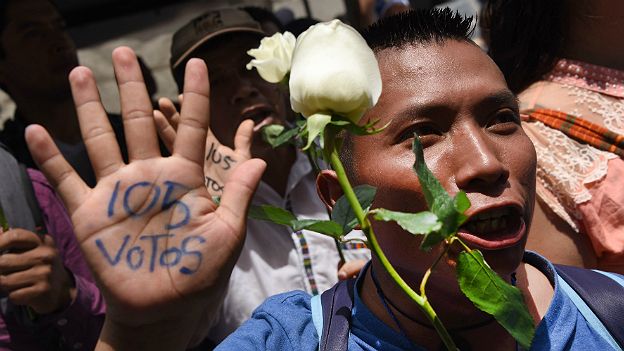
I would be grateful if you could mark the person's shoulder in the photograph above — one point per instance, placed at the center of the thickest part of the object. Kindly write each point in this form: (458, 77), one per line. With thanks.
(282, 322)
(285, 304)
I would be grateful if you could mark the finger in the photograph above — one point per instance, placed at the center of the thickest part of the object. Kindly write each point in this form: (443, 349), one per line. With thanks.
(244, 138)
(19, 240)
(350, 269)
(239, 189)
(180, 99)
(194, 118)
(18, 280)
(15, 262)
(24, 295)
(97, 133)
(165, 130)
(169, 110)
(136, 107)
(60, 174)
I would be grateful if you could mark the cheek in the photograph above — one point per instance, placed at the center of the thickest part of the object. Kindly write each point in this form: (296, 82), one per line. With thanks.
(522, 162)
(391, 173)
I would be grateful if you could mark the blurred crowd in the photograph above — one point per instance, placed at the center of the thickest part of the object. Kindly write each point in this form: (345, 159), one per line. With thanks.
(563, 59)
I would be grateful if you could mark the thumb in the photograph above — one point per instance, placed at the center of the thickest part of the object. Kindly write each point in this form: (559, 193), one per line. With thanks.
(239, 190)
(244, 138)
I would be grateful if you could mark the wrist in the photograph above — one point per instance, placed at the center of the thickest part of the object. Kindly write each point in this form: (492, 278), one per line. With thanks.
(166, 335)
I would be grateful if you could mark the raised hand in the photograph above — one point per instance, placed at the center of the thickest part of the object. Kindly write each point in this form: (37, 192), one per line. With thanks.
(159, 248)
(220, 160)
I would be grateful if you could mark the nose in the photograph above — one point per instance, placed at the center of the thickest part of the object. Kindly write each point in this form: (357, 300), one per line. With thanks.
(244, 90)
(478, 162)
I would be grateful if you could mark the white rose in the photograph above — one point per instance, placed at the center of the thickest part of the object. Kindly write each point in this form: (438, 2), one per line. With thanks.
(272, 59)
(333, 72)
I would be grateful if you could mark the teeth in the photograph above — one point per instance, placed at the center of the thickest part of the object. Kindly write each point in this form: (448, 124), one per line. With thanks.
(486, 225)
(481, 225)
(494, 223)
(484, 215)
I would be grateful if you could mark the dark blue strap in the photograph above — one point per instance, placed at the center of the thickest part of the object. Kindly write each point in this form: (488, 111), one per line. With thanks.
(603, 295)
(337, 303)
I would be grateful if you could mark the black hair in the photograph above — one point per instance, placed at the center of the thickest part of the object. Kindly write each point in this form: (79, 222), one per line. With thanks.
(418, 27)
(423, 26)
(525, 37)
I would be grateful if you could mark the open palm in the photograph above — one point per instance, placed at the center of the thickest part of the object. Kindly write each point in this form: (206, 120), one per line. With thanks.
(158, 246)
(220, 160)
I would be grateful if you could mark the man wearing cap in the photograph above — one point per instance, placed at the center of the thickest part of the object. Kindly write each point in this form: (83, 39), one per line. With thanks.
(273, 259)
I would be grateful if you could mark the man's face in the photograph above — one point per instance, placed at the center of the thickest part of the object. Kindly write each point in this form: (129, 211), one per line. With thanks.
(457, 100)
(38, 52)
(237, 93)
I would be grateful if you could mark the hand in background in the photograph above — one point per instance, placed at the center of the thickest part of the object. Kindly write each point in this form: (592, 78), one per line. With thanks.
(160, 250)
(220, 160)
(32, 272)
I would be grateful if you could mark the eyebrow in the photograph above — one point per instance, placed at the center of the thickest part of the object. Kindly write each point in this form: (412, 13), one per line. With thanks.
(502, 97)
(433, 108)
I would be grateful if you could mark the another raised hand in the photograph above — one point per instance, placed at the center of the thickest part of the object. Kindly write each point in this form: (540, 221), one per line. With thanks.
(159, 248)
(220, 160)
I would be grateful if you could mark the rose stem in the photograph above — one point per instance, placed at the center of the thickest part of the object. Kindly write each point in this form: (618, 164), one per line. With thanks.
(422, 302)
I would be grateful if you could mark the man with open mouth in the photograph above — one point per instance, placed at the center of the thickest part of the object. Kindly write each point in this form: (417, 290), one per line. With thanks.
(274, 259)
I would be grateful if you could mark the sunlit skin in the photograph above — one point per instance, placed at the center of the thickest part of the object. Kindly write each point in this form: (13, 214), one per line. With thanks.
(238, 94)
(455, 97)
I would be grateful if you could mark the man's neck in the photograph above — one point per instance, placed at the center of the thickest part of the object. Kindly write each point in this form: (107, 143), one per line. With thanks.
(57, 116)
(463, 320)
(279, 163)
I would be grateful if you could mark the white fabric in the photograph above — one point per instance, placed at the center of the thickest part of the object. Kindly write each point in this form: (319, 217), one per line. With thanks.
(271, 260)
(567, 169)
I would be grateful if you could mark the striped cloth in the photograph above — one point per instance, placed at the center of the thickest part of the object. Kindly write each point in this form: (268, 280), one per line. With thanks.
(578, 129)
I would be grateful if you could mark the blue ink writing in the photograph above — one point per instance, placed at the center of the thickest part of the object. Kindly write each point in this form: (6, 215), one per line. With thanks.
(137, 265)
(154, 239)
(111, 204)
(186, 270)
(126, 199)
(104, 251)
(168, 202)
(159, 255)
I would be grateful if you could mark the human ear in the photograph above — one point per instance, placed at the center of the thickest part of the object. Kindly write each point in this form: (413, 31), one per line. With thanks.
(328, 188)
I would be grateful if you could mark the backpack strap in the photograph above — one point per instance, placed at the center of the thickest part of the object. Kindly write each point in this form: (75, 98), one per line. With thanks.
(337, 303)
(601, 294)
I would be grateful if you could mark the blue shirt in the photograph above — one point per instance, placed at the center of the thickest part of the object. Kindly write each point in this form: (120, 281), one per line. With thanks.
(284, 322)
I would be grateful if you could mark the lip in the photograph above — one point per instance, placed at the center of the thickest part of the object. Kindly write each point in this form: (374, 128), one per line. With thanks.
(252, 112)
(500, 240)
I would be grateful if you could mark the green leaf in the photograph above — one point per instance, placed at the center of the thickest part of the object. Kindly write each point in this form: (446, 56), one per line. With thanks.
(277, 135)
(438, 200)
(3, 221)
(431, 187)
(272, 214)
(271, 131)
(281, 216)
(320, 226)
(461, 202)
(461, 205)
(432, 239)
(217, 199)
(316, 125)
(343, 214)
(415, 223)
(491, 294)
